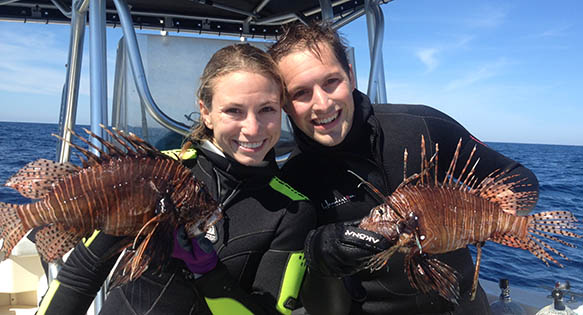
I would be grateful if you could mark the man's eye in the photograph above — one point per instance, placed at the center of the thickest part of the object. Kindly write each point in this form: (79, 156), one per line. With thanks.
(332, 81)
(299, 94)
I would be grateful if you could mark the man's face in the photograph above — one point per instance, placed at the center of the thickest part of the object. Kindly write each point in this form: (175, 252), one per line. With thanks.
(321, 95)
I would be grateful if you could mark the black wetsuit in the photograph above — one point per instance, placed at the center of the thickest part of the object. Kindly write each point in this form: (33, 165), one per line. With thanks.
(374, 149)
(259, 241)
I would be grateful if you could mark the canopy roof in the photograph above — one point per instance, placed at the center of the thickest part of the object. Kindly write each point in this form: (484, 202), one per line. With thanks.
(235, 17)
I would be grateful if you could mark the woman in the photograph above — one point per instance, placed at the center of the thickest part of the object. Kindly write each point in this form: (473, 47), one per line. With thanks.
(258, 242)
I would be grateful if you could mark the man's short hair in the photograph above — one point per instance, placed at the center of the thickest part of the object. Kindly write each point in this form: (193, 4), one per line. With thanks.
(298, 36)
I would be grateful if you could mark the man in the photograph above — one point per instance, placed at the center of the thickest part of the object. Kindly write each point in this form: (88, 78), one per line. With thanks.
(336, 130)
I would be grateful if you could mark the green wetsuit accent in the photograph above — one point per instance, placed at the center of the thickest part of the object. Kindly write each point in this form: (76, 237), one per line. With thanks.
(292, 281)
(282, 187)
(175, 154)
(48, 297)
(87, 242)
(224, 306)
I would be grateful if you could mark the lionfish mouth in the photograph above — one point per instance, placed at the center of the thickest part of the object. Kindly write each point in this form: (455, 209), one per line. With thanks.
(197, 228)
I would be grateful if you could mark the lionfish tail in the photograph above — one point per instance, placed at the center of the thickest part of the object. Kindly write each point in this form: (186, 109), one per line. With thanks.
(544, 225)
(11, 229)
(430, 274)
(541, 227)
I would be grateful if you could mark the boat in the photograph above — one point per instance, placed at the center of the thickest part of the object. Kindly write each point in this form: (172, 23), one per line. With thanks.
(146, 84)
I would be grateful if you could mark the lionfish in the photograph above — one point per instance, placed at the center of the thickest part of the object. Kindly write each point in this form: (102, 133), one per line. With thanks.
(130, 189)
(424, 217)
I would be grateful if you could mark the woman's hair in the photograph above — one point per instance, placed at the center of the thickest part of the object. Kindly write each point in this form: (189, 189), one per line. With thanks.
(238, 57)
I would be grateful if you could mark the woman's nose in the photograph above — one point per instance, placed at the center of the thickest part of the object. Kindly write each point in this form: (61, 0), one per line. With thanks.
(251, 125)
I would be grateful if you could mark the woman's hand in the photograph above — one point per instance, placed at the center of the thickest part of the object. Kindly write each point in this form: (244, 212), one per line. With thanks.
(197, 253)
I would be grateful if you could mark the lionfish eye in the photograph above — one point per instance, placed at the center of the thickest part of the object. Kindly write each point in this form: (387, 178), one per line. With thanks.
(381, 212)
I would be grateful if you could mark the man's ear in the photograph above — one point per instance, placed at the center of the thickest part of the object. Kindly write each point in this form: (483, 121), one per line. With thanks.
(205, 115)
(351, 77)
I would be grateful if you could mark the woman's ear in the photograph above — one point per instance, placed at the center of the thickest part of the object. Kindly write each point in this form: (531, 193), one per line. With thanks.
(205, 115)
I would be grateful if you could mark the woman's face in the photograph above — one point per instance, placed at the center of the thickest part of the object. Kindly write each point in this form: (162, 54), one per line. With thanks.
(245, 116)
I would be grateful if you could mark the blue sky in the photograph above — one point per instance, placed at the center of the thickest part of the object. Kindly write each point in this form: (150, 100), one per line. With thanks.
(509, 71)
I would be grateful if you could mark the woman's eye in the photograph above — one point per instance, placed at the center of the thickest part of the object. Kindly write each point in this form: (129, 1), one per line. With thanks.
(268, 109)
(232, 111)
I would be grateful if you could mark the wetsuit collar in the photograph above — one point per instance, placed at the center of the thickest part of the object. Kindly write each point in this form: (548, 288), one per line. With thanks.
(358, 138)
(230, 169)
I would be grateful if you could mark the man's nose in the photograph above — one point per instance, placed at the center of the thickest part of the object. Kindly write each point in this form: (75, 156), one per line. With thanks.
(320, 98)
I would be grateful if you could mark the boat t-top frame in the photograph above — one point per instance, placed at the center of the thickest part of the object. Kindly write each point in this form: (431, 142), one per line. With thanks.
(241, 18)
(259, 19)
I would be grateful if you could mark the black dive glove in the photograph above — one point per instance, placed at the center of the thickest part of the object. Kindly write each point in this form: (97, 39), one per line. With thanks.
(342, 249)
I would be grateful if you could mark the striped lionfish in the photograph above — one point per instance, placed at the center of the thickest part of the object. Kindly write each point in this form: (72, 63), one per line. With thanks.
(425, 217)
(131, 189)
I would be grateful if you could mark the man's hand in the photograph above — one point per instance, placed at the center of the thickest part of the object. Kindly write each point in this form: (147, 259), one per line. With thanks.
(197, 253)
(341, 249)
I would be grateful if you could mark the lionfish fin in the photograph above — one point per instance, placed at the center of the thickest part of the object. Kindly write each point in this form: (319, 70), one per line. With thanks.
(92, 159)
(370, 186)
(463, 182)
(54, 241)
(430, 274)
(541, 226)
(121, 274)
(11, 229)
(140, 146)
(550, 222)
(111, 148)
(501, 188)
(476, 271)
(103, 156)
(153, 249)
(379, 260)
(116, 136)
(508, 240)
(35, 180)
(448, 179)
(424, 176)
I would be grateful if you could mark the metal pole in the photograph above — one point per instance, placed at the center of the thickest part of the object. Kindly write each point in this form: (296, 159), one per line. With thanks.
(98, 68)
(67, 121)
(375, 24)
(139, 73)
(2, 2)
(353, 16)
(327, 11)
(98, 86)
(256, 11)
(63, 8)
(381, 86)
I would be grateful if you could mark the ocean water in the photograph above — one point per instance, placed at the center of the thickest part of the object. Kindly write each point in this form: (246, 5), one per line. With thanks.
(558, 168)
